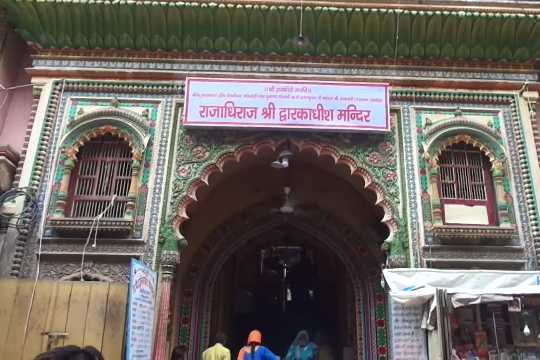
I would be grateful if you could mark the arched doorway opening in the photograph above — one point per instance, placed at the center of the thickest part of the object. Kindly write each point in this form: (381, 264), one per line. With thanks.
(252, 265)
(282, 282)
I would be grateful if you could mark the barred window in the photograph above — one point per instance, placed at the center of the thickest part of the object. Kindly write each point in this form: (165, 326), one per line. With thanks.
(103, 169)
(462, 173)
(465, 178)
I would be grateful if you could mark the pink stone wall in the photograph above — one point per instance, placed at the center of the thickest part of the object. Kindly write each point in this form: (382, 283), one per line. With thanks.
(16, 104)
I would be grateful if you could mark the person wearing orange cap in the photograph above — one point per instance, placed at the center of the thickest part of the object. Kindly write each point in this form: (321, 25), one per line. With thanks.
(254, 349)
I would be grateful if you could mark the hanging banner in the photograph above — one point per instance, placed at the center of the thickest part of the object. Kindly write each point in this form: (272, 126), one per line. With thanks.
(407, 338)
(286, 104)
(141, 306)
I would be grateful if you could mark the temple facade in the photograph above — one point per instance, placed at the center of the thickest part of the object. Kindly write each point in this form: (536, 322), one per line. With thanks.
(275, 228)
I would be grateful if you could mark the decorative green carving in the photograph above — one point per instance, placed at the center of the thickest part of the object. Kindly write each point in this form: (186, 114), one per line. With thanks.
(432, 138)
(262, 29)
(198, 150)
(138, 130)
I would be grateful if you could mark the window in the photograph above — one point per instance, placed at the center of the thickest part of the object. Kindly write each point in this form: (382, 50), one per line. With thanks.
(466, 186)
(103, 169)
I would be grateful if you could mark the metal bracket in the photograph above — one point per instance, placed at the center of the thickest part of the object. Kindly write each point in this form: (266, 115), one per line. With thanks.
(53, 337)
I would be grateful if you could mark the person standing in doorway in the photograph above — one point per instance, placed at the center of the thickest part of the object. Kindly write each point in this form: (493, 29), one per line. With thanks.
(254, 349)
(218, 351)
(302, 348)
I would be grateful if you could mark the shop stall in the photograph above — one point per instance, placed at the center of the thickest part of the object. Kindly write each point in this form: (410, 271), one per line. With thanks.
(466, 314)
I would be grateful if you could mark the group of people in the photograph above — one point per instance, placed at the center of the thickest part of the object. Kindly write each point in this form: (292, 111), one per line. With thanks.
(301, 349)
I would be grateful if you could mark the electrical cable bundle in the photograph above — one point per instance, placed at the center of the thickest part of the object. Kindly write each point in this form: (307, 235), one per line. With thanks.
(28, 213)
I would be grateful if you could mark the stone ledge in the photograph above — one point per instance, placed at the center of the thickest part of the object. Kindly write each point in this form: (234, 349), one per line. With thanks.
(72, 225)
(486, 264)
(479, 252)
(467, 257)
(473, 235)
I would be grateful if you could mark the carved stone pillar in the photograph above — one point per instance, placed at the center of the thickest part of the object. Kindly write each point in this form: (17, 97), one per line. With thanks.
(61, 196)
(134, 187)
(169, 259)
(497, 172)
(436, 207)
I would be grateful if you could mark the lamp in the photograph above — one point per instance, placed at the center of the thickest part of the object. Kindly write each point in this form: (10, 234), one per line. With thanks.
(282, 161)
(526, 330)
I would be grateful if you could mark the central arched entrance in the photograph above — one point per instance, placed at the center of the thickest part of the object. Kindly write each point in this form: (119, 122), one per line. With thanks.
(315, 266)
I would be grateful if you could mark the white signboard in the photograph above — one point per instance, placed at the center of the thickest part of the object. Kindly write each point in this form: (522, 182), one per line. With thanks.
(286, 104)
(141, 305)
(407, 338)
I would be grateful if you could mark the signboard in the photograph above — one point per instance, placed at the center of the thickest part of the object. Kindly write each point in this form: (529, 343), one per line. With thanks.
(286, 104)
(141, 305)
(407, 338)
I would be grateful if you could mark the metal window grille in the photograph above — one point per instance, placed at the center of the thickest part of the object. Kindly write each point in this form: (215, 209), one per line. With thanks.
(463, 173)
(103, 169)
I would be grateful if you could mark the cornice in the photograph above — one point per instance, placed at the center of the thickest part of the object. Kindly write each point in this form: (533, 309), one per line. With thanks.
(330, 29)
(76, 225)
(524, 7)
(473, 235)
(160, 71)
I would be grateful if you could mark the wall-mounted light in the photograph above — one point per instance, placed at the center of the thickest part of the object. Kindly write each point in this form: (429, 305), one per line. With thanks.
(526, 330)
(282, 161)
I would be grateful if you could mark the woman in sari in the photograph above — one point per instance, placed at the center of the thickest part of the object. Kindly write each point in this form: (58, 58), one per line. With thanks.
(302, 348)
(254, 349)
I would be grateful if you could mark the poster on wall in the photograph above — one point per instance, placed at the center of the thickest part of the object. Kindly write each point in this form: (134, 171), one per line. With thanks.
(286, 104)
(407, 338)
(141, 305)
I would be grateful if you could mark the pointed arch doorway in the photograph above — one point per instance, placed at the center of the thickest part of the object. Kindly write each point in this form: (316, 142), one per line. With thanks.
(252, 265)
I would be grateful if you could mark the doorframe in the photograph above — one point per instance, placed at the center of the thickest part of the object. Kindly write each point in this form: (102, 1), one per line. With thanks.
(370, 324)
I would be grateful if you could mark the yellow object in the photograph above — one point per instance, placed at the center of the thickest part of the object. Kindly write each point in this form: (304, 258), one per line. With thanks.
(216, 352)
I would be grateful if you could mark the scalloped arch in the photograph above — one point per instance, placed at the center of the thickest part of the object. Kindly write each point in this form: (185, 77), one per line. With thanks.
(449, 133)
(320, 149)
(72, 149)
(125, 124)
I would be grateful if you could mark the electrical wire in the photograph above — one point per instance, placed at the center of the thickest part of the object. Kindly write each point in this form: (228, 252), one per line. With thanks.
(28, 213)
(95, 222)
(396, 43)
(301, 30)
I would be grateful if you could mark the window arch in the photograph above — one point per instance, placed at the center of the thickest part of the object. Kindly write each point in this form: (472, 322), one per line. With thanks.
(103, 171)
(465, 185)
(102, 156)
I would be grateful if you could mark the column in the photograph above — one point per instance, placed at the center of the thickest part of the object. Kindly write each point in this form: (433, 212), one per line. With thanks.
(134, 186)
(435, 198)
(169, 259)
(61, 196)
(498, 174)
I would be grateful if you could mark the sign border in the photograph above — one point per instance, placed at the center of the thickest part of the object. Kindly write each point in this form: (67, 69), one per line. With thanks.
(134, 262)
(300, 127)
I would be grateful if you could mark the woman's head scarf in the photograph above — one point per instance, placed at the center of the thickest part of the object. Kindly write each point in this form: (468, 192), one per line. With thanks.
(303, 334)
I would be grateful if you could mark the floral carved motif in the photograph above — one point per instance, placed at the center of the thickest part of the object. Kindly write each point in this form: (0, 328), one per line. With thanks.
(201, 153)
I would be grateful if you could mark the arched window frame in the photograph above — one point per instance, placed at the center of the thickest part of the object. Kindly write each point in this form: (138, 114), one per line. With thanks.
(488, 186)
(105, 171)
(487, 142)
(124, 124)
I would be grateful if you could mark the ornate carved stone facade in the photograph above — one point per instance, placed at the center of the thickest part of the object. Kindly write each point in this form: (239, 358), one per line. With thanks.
(129, 83)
